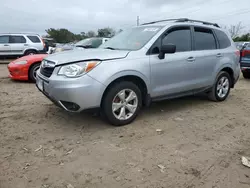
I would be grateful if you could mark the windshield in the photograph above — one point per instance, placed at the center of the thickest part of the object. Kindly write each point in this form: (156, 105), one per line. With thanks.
(92, 42)
(132, 39)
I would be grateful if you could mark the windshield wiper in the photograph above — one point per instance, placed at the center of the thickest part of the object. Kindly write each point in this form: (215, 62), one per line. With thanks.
(110, 48)
(84, 46)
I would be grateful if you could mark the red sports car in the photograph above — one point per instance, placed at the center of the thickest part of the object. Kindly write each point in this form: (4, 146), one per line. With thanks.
(25, 67)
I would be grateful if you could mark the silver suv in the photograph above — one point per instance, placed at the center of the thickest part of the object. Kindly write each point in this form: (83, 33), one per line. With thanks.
(20, 44)
(155, 61)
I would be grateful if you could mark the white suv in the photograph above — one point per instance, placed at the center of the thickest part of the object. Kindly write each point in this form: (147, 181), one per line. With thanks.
(20, 44)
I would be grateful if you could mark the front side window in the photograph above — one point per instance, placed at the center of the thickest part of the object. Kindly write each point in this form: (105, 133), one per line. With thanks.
(96, 43)
(181, 37)
(132, 39)
(4, 39)
(17, 39)
(204, 39)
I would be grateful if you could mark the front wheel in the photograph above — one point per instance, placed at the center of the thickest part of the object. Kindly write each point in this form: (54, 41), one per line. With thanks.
(221, 87)
(33, 71)
(30, 52)
(122, 103)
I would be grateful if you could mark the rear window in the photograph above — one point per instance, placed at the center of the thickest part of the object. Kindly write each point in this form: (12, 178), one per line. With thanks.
(34, 39)
(224, 42)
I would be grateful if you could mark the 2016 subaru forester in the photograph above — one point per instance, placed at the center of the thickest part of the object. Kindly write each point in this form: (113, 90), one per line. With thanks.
(155, 61)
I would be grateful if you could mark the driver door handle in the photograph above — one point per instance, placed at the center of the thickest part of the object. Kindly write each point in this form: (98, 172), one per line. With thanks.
(6, 45)
(219, 55)
(191, 59)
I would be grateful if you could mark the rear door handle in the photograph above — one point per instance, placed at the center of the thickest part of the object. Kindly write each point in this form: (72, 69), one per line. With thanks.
(219, 55)
(191, 59)
(26, 45)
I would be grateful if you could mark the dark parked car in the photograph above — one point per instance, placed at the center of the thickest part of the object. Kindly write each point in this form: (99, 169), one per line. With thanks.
(245, 61)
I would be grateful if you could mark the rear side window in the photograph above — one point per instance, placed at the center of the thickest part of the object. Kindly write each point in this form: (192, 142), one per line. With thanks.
(181, 37)
(4, 39)
(224, 42)
(34, 39)
(204, 39)
(17, 39)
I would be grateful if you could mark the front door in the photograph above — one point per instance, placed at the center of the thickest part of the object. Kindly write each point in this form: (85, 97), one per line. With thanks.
(171, 75)
(17, 44)
(4, 45)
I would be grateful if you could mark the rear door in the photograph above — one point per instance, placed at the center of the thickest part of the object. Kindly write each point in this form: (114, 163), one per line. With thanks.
(4, 45)
(17, 44)
(206, 54)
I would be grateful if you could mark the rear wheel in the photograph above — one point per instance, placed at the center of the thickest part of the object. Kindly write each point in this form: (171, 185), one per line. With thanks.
(32, 72)
(246, 75)
(30, 52)
(122, 103)
(221, 88)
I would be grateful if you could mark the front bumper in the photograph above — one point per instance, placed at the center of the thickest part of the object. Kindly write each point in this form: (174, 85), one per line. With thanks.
(18, 72)
(71, 94)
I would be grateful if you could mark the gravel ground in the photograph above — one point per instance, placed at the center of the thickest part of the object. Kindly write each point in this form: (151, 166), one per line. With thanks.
(200, 143)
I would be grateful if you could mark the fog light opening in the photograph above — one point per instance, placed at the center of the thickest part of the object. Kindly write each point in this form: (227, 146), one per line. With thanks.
(70, 106)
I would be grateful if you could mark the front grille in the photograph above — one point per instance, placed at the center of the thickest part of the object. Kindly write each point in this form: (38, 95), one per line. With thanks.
(47, 68)
(47, 71)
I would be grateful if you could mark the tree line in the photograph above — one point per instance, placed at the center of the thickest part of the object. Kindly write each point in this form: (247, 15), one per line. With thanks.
(237, 33)
(65, 36)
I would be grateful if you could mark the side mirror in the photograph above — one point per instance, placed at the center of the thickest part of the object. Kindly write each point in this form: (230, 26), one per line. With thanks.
(167, 49)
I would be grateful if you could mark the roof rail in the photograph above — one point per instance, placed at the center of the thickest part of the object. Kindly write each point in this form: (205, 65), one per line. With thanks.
(183, 20)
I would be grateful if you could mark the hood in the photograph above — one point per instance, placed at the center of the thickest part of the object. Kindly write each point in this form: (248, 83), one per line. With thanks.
(87, 54)
(37, 57)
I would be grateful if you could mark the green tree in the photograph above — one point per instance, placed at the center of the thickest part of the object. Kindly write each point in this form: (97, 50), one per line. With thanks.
(61, 35)
(244, 37)
(90, 34)
(106, 32)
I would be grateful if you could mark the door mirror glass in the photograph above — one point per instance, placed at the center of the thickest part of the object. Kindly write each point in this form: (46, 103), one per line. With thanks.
(167, 49)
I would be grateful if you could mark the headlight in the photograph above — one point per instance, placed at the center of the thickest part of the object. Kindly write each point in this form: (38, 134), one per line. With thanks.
(77, 69)
(21, 62)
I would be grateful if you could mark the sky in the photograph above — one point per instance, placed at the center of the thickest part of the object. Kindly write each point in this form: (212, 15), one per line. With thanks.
(84, 15)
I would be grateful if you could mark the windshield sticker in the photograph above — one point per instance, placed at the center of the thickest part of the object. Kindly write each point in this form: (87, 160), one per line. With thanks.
(152, 29)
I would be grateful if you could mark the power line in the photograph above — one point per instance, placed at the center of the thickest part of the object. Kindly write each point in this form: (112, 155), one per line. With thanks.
(237, 13)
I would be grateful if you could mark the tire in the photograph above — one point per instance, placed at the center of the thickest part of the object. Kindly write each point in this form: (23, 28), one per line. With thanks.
(246, 75)
(214, 93)
(32, 72)
(124, 88)
(30, 52)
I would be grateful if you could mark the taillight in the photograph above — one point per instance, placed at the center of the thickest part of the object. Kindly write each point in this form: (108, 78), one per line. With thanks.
(237, 53)
(245, 53)
(43, 43)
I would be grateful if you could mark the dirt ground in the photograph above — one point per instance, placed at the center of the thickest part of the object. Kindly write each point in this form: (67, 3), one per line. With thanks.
(200, 145)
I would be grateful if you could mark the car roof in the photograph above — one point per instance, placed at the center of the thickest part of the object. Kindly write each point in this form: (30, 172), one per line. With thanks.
(19, 34)
(182, 21)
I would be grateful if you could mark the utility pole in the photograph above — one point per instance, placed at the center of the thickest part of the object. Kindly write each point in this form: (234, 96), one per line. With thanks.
(138, 20)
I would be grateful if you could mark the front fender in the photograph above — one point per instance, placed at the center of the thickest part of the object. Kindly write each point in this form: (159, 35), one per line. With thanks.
(128, 73)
